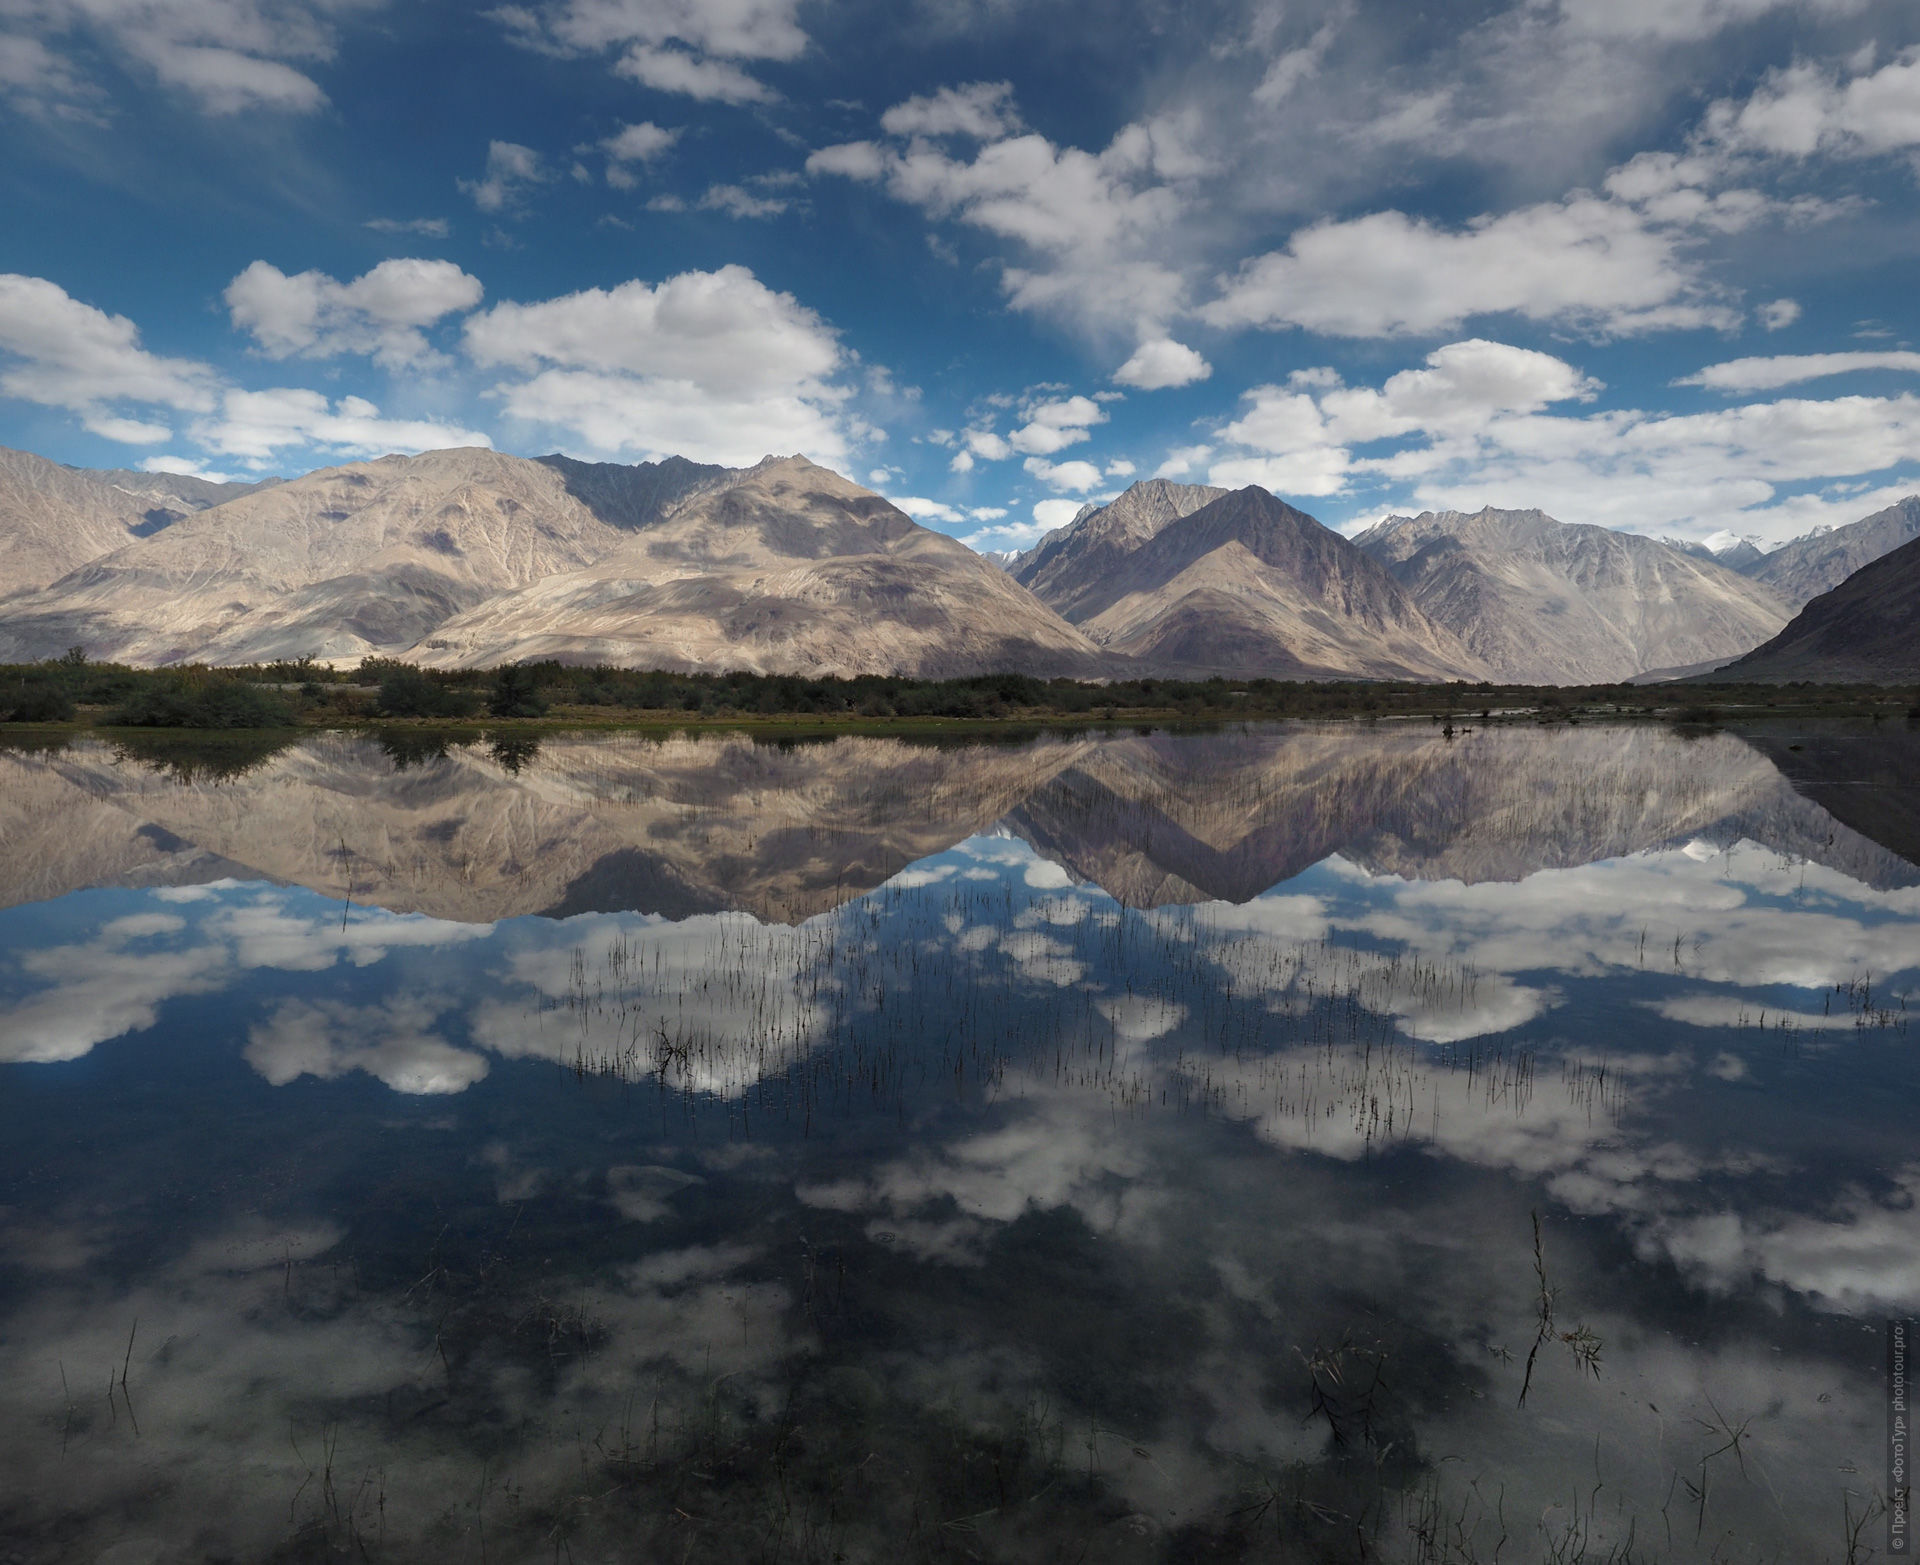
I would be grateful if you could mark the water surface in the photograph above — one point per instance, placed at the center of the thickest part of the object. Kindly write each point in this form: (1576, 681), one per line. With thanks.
(1299, 1143)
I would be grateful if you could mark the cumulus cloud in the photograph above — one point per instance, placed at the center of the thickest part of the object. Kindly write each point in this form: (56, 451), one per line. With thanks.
(674, 70)
(1069, 477)
(690, 47)
(713, 365)
(1589, 264)
(1094, 226)
(381, 312)
(1162, 363)
(1055, 513)
(631, 144)
(255, 425)
(60, 352)
(925, 510)
(1807, 109)
(979, 111)
(1476, 425)
(511, 170)
(1053, 426)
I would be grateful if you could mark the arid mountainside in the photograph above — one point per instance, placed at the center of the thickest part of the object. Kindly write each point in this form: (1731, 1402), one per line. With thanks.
(1803, 569)
(54, 519)
(1245, 584)
(349, 560)
(1867, 628)
(673, 827)
(1074, 563)
(1546, 602)
(787, 568)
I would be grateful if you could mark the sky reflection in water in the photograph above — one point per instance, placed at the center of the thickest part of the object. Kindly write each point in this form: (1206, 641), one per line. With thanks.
(1120, 1140)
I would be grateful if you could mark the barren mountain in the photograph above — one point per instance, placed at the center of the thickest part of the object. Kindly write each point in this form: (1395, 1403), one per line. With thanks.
(788, 568)
(1866, 629)
(345, 561)
(1073, 563)
(1548, 602)
(1247, 585)
(54, 519)
(1803, 569)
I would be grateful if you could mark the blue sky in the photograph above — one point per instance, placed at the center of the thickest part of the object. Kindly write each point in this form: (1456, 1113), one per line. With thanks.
(1649, 263)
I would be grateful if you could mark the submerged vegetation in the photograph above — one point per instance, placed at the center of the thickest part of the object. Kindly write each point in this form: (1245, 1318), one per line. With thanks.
(306, 693)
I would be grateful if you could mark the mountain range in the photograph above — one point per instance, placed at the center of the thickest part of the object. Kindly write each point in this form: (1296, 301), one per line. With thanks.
(1867, 629)
(471, 558)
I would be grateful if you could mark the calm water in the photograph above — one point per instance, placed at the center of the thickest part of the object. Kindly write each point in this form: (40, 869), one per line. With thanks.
(1302, 1144)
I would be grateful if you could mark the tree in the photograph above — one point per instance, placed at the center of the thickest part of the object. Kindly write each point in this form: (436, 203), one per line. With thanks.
(516, 693)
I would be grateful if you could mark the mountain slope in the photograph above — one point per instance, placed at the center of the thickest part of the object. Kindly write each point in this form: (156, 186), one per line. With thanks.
(1867, 629)
(1247, 585)
(349, 560)
(1803, 569)
(54, 519)
(1071, 563)
(788, 568)
(1549, 602)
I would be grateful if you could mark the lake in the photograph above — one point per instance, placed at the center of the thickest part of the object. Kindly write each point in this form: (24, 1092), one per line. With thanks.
(1292, 1143)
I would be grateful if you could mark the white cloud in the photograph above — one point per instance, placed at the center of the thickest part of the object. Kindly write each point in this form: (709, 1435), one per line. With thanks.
(227, 55)
(1182, 460)
(1053, 426)
(62, 353)
(1162, 363)
(1069, 477)
(425, 227)
(1806, 109)
(1768, 374)
(738, 202)
(190, 469)
(1585, 263)
(511, 170)
(1463, 384)
(380, 313)
(924, 510)
(711, 81)
(254, 425)
(1011, 536)
(736, 29)
(1779, 313)
(863, 160)
(980, 111)
(641, 143)
(986, 444)
(1682, 20)
(713, 365)
(1055, 513)
(1098, 224)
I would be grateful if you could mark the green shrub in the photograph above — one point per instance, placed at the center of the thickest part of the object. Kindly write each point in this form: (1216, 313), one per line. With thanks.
(211, 703)
(405, 691)
(35, 701)
(516, 693)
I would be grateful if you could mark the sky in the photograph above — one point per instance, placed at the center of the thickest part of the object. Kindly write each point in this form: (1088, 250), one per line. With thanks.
(1653, 264)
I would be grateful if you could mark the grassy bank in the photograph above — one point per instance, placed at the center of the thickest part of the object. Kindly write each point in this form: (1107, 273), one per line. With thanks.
(71, 692)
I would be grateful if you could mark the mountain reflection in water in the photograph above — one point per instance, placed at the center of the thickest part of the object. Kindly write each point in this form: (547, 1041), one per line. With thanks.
(1119, 1147)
